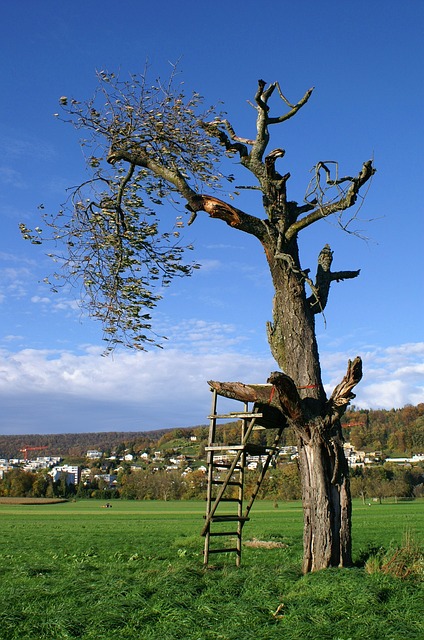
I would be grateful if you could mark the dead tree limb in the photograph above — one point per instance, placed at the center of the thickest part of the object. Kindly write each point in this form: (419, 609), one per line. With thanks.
(342, 394)
(324, 278)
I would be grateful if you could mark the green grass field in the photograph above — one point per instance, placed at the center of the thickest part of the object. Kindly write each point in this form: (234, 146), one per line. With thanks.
(76, 570)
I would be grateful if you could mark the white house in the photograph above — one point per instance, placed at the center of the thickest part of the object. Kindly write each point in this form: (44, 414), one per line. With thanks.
(72, 474)
(93, 454)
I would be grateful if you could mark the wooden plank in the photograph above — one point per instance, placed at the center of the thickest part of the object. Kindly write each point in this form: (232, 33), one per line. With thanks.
(223, 533)
(248, 414)
(241, 391)
(224, 465)
(229, 518)
(225, 447)
(230, 483)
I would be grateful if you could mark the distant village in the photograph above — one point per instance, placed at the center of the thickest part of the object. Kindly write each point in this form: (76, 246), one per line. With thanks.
(107, 470)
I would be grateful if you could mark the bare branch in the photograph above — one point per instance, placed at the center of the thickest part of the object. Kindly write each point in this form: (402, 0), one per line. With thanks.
(294, 108)
(347, 200)
(282, 96)
(244, 392)
(262, 96)
(239, 144)
(138, 157)
(231, 131)
(262, 135)
(280, 392)
(120, 218)
(288, 395)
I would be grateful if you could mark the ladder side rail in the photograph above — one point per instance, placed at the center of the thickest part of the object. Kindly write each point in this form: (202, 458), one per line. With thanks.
(263, 472)
(244, 429)
(249, 429)
(211, 439)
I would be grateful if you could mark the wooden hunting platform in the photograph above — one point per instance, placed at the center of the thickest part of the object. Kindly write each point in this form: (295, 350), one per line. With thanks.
(226, 465)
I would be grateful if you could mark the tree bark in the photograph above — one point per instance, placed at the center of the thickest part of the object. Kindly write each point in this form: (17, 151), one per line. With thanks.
(326, 504)
(325, 474)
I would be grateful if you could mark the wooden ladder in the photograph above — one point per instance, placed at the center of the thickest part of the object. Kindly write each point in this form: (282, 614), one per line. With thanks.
(225, 480)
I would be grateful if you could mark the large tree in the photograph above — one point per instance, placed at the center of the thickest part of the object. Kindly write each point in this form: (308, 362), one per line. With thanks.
(151, 144)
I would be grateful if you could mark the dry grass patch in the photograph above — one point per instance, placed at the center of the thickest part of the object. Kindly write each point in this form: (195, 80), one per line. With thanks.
(264, 544)
(405, 561)
(4, 500)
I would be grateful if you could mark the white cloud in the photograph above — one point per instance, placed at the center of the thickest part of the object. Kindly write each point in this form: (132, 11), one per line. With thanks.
(64, 304)
(40, 300)
(203, 336)
(14, 281)
(392, 376)
(209, 264)
(45, 391)
(61, 391)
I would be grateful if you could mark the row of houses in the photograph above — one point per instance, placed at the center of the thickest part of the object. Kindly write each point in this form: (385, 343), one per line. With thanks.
(361, 458)
(75, 474)
(42, 462)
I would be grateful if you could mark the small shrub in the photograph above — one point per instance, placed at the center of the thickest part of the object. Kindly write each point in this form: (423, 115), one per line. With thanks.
(401, 562)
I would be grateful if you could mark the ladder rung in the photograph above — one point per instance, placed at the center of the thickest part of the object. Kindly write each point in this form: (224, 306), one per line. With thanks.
(225, 465)
(218, 416)
(225, 447)
(228, 518)
(227, 550)
(231, 500)
(257, 450)
(241, 447)
(223, 533)
(232, 483)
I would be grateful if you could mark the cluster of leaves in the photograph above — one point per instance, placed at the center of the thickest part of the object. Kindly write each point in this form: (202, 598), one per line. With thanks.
(159, 119)
(108, 235)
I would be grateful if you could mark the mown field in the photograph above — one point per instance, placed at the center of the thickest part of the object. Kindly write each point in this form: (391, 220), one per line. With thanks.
(77, 570)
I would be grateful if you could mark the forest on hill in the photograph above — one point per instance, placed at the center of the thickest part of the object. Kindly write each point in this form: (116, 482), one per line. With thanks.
(393, 432)
(75, 444)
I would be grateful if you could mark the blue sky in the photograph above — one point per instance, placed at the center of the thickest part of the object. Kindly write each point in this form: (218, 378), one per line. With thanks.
(365, 61)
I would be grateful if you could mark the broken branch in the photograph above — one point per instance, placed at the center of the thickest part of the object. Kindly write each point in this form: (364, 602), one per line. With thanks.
(342, 394)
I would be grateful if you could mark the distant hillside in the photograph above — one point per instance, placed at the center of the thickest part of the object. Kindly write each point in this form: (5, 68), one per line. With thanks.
(394, 431)
(76, 444)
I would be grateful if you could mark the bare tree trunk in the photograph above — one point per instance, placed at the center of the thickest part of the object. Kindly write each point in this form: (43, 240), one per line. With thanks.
(323, 466)
(326, 505)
